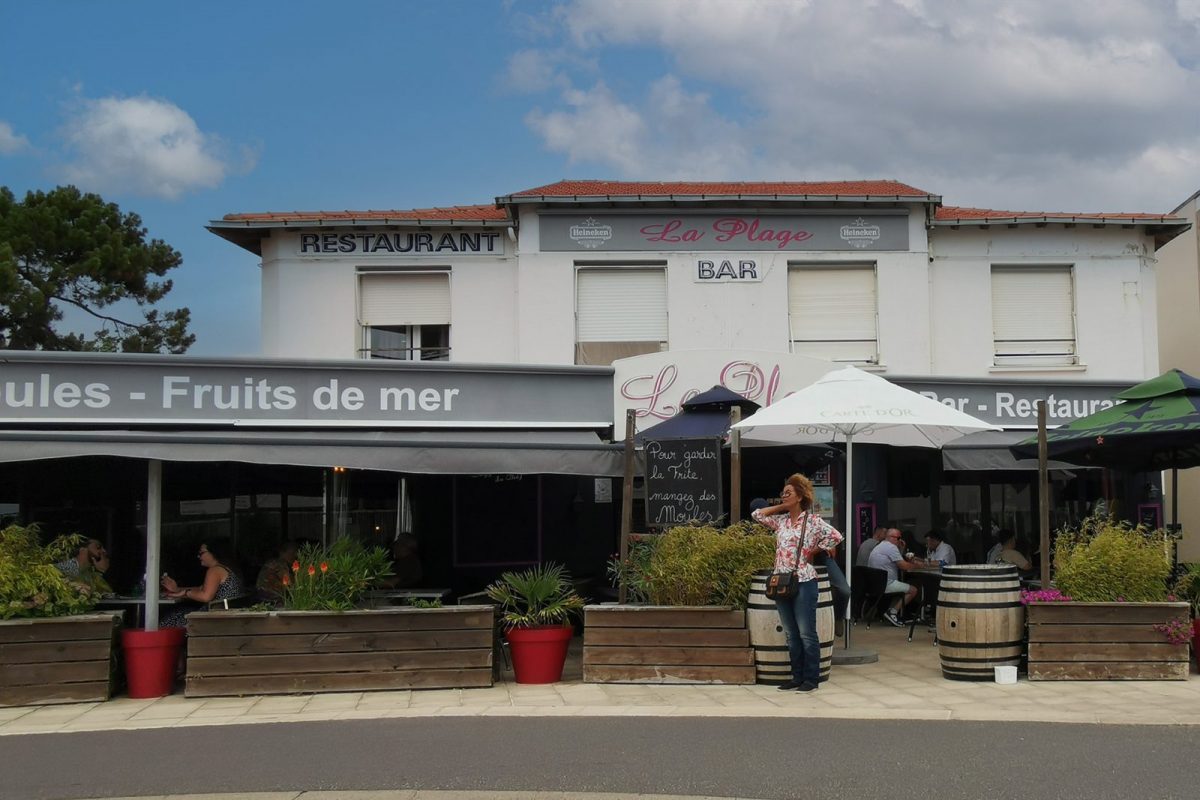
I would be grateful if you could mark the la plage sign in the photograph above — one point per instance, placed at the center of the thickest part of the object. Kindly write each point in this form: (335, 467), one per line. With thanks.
(657, 385)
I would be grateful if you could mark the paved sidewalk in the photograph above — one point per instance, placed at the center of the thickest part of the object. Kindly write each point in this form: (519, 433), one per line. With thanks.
(906, 683)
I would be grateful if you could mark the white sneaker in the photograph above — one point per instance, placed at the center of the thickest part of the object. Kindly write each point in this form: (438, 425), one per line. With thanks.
(891, 617)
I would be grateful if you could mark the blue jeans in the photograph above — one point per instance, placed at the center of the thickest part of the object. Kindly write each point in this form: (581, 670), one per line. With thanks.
(837, 582)
(799, 618)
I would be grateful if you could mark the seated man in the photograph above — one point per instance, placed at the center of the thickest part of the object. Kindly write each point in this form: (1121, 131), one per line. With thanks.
(88, 567)
(1005, 552)
(937, 551)
(886, 556)
(862, 559)
(269, 584)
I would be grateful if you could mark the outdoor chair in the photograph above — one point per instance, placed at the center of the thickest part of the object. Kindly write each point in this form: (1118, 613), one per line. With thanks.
(867, 588)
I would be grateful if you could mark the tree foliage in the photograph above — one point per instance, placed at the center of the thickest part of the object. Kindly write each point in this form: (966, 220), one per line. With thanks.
(64, 248)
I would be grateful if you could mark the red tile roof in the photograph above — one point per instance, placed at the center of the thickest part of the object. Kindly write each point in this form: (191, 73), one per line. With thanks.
(451, 213)
(984, 215)
(722, 189)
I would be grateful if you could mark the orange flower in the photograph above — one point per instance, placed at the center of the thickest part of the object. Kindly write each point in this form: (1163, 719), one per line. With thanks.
(296, 566)
(324, 567)
(312, 570)
(287, 581)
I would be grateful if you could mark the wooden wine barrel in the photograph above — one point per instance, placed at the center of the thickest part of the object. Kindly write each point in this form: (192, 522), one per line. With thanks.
(771, 662)
(980, 620)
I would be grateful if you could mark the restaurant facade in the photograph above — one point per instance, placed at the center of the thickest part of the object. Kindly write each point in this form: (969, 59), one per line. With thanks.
(460, 374)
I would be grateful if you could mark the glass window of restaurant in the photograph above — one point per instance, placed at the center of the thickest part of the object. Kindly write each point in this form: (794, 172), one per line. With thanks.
(405, 316)
(832, 312)
(620, 311)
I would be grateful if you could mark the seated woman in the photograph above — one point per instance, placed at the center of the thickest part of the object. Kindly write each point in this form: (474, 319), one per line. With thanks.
(220, 582)
(1005, 552)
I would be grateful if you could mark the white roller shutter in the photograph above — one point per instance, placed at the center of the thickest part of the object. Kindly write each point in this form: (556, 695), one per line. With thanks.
(621, 305)
(832, 312)
(1033, 315)
(404, 299)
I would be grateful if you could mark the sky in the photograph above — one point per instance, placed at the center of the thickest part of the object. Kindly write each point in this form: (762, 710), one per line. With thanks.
(184, 112)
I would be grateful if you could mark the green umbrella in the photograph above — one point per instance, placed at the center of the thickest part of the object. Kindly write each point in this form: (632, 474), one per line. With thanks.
(1155, 427)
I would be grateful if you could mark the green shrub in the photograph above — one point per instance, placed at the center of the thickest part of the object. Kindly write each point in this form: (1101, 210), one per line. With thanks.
(1107, 561)
(30, 584)
(541, 595)
(693, 565)
(334, 578)
(1187, 587)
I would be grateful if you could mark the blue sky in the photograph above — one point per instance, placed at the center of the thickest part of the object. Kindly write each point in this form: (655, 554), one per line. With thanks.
(185, 112)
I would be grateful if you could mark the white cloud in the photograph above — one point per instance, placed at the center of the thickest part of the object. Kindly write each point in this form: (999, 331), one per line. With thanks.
(144, 145)
(10, 141)
(1091, 104)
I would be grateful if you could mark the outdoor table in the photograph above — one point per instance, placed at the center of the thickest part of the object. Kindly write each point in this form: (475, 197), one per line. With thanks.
(138, 604)
(928, 580)
(390, 597)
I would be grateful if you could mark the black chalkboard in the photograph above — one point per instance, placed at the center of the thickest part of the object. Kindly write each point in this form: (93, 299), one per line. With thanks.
(683, 481)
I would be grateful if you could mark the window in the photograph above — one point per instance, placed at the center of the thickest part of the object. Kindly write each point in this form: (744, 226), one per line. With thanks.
(619, 313)
(832, 312)
(405, 316)
(1033, 316)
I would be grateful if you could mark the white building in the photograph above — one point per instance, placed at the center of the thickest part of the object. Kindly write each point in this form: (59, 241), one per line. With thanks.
(1178, 335)
(990, 310)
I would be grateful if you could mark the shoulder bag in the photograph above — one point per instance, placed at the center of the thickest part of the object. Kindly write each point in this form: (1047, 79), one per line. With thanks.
(785, 585)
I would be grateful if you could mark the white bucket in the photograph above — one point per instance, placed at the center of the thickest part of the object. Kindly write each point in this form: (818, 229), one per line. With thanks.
(1006, 675)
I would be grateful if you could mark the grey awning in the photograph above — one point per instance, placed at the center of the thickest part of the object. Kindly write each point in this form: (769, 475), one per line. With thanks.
(525, 452)
(988, 450)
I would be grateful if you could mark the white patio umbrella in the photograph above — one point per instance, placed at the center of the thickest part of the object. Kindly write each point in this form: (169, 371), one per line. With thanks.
(852, 405)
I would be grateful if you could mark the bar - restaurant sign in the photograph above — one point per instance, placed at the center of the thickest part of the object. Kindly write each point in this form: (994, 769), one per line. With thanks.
(93, 388)
(722, 232)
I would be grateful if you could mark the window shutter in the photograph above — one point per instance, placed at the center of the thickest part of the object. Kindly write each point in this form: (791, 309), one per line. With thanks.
(832, 312)
(1033, 315)
(405, 299)
(621, 305)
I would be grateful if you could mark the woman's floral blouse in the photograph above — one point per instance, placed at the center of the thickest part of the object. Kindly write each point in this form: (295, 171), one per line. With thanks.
(820, 535)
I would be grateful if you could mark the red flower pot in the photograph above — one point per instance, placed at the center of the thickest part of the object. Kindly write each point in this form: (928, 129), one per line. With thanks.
(150, 659)
(539, 653)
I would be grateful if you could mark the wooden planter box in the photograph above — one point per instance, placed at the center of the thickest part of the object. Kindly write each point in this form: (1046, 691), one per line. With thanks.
(1104, 641)
(666, 644)
(285, 652)
(57, 659)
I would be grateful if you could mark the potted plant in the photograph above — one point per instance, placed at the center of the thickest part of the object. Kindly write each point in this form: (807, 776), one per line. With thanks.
(536, 606)
(1119, 622)
(321, 640)
(686, 621)
(51, 649)
(1187, 589)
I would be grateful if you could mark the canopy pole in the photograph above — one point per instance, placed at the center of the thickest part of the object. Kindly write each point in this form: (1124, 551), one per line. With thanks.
(626, 504)
(735, 466)
(153, 540)
(1043, 494)
(846, 531)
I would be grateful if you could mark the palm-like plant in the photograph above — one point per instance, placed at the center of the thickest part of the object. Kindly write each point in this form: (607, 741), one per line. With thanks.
(542, 595)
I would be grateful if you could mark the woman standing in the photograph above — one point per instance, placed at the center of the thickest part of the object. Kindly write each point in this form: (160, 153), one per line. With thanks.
(799, 533)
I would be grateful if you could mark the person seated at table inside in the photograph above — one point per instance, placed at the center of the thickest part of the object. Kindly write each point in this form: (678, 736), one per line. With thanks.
(887, 557)
(269, 584)
(937, 551)
(406, 563)
(1005, 552)
(220, 583)
(88, 567)
(864, 549)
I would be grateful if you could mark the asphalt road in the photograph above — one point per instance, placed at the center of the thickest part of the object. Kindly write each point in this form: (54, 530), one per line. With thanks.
(758, 758)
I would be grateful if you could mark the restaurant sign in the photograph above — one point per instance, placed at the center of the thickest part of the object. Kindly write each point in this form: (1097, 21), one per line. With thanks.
(95, 388)
(656, 385)
(722, 232)
(399, 243)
